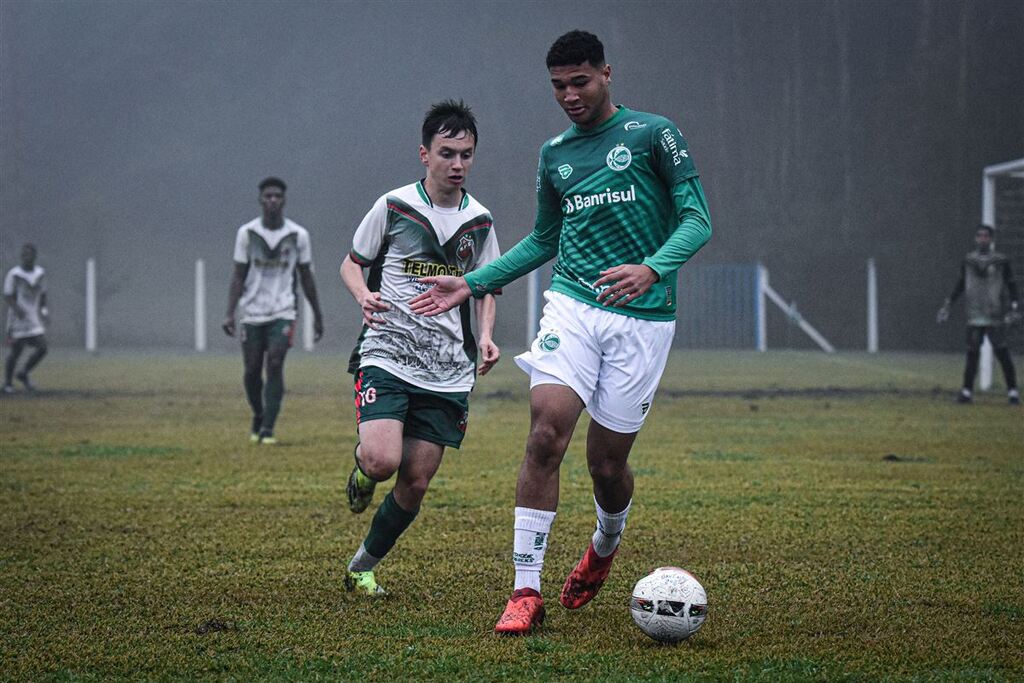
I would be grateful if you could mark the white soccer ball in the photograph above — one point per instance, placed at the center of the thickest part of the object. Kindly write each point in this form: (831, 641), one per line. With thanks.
(669, 604)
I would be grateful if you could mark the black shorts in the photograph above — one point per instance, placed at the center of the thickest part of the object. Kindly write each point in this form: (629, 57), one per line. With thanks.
(996, 335)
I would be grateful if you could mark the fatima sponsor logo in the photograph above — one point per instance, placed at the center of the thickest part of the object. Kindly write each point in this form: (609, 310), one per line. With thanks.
(669, 144)
(619, 158)
(565, 170)
(578, 202)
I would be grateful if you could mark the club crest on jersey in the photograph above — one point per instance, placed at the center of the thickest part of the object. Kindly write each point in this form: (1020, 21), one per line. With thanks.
(565, 170)
(549, 342)
(619, 158)
(465, 248)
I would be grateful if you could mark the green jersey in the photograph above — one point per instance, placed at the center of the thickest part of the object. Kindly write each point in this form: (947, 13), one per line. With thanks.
(624, 192)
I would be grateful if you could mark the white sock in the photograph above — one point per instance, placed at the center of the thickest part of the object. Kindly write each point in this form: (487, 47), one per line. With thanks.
(609, 529)
(529, 542)
(362, 561)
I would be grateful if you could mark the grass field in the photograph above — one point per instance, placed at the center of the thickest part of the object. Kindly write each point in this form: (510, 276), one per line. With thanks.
(849, 522)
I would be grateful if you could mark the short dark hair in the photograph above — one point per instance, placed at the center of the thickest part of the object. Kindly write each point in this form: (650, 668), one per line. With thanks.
(450, 118)
(987, 228)
(273, 181)
(576, 47)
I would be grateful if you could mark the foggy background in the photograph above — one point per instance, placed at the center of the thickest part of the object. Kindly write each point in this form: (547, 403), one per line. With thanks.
(825, 133)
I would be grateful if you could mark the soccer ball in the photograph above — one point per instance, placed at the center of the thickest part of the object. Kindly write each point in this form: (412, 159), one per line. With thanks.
(669, 604)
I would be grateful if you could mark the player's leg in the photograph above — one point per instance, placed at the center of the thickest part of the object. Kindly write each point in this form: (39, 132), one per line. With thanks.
(997, 335)
(39, 348)
(279, 340)
(563, 363)
(636, 352)
(396, 512)
(554, 410)
(17, 345)
(254, 348)
(377, 456)
(433, 420)
(975, 335)
(382, 406)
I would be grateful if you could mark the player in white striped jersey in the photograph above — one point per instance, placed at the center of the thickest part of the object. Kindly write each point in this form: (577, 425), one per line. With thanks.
(25, 294)
(270, 251)
(413, 374)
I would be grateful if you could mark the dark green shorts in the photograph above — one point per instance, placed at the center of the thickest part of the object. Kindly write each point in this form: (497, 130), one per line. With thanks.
(432, 416)
(276, 334)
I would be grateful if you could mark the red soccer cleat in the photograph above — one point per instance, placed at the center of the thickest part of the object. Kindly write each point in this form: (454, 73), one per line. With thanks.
(586, 579)
(524, 612)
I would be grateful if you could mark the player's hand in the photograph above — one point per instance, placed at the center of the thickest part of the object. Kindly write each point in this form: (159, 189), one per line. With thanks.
(447, 293)
(490, 354)
(228, 326)
(318, 328)
(371, 304)
(624, 284)
(943, 314)
(1013, 316)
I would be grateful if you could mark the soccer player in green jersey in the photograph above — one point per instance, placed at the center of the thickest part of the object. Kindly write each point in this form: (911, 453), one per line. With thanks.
(620, 206)
(413, 376)
(270, 251)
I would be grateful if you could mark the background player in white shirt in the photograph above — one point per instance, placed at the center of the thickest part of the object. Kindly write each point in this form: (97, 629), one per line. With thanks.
(413, 375)
(27, 315)
(269, 252)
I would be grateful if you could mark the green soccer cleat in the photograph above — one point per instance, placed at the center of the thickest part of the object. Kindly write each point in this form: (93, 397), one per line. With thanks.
(363, 582)
(360, 488)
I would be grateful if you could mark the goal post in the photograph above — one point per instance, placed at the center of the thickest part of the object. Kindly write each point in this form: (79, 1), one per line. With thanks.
(1008, 211)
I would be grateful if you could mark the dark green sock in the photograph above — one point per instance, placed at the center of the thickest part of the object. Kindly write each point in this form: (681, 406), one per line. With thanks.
(388, 524)
(273, 391)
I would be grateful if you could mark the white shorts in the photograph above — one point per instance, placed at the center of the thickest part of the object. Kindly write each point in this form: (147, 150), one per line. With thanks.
(612, 361)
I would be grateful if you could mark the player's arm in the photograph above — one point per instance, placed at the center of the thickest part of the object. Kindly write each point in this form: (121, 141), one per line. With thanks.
(486, 312)
(235, 290)
(369, 302)
(675, 168)
(626, 282)
(10, 297)
(1011, 284)
(309, 289)
(692, 232)
(1013, 316)
(943, 313)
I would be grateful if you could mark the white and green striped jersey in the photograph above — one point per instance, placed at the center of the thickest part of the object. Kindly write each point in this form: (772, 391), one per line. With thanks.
(272, 257)
(624, 192)
(27, 287)
(405, 237)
